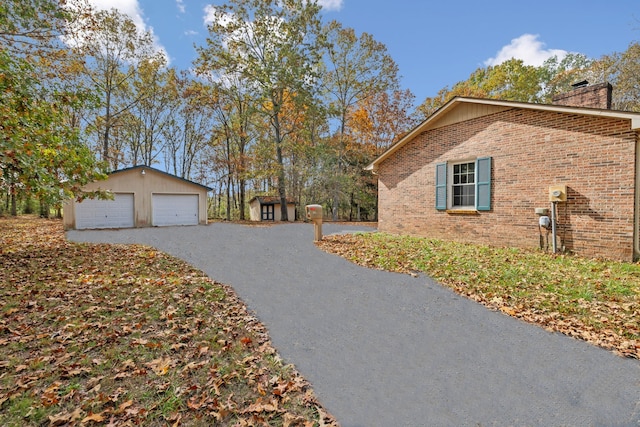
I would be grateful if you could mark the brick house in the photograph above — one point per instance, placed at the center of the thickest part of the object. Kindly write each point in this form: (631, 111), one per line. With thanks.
(477, 170)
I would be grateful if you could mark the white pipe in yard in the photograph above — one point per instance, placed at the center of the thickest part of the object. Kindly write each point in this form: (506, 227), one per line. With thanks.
(553, 226)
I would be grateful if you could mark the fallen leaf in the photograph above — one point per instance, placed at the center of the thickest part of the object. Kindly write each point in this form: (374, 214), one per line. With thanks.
(59, 419)
(123, 406)
(260, 406)
(98, 418)
(160, 366)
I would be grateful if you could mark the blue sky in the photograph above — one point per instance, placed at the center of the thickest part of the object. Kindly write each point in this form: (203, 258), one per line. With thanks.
(434, 43)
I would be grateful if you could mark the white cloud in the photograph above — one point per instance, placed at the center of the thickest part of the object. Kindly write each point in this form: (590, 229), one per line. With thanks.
(528, 48)
(209, 14)
(132, 9)
(128, 7)
(181, 7)
(331, 4)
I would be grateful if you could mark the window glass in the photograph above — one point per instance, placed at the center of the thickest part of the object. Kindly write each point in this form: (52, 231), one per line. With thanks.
(463, 185)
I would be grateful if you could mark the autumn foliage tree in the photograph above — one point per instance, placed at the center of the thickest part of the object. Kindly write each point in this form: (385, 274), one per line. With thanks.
(40, 154)
(275, 47)
(113, 50)
(513, 80)
(42, 150)
(375, 124)
(357, 68)
(34, 27)
(622, 69)
(189, 127)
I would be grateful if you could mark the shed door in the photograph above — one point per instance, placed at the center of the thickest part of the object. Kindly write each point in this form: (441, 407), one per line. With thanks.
(267, 212)
(175, 209)
(94, 213)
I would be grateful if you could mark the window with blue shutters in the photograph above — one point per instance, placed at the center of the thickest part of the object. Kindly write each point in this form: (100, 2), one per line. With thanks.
(464, 185)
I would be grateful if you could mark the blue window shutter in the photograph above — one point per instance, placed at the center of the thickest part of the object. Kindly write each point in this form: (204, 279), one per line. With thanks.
(483, 184)
(441, 186)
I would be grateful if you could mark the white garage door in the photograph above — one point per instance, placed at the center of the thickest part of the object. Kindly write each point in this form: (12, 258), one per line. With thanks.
(117, 213)
(175, 209)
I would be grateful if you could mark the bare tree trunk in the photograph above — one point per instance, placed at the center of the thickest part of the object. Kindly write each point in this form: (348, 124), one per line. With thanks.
(351, 206)
(44, 209)
(219, 197)
(229, 197)
(282, 189)
(282, 192)
(14, 206)
(242, 184)
(107, 125)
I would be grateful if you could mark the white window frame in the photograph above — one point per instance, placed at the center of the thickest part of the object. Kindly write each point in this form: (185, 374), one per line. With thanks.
(450, 184)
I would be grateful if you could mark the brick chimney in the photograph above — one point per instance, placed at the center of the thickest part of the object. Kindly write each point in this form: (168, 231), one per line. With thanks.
(585, 95)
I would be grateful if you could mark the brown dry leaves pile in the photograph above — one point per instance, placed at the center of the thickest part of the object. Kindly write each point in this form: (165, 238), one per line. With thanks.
(596, 301)
(125, 335)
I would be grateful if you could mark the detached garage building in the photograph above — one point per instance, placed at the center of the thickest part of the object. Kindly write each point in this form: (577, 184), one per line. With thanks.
(143, 197)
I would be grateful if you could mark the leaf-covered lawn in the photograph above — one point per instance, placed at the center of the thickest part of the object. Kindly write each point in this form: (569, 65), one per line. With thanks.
(126, 335)
(597, 301)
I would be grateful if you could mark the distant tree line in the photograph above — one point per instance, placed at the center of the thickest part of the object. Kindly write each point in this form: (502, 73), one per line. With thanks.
(277, 103)
(512, 80)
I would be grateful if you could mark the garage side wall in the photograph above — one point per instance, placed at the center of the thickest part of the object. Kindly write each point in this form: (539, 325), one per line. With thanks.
(530, 151)
(142, 186)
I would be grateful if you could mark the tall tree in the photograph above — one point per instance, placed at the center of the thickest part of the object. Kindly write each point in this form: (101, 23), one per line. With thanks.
(189, 126)
(147, 119)
(623, 71)
(40, 153)
(233, 104)
(113, 48)
(356, 68)
(380, 120)
(33, 28)
(556, 75)
(375, 124)
(511, 80)
(275, 45)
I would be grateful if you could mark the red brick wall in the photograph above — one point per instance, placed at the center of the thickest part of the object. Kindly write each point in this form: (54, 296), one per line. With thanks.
(531, 150)
(594, 96)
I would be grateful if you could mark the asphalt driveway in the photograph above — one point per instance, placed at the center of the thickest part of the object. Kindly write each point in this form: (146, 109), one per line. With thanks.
(385, 349)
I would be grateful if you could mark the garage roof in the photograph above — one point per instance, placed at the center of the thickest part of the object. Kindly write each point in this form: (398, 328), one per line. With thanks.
(160, 172)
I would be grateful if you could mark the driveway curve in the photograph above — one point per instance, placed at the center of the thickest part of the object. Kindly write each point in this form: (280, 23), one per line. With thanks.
(386, 349)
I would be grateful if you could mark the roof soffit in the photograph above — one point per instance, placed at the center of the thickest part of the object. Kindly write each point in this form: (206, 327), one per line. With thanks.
(465, 111)
(461, 109)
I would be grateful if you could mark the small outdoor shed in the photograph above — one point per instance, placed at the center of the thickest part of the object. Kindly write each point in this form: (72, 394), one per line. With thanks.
(267, 208)
(143, 197)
